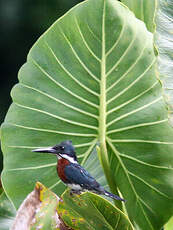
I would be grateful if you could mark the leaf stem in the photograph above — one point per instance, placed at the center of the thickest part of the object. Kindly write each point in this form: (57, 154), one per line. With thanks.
(102, 117)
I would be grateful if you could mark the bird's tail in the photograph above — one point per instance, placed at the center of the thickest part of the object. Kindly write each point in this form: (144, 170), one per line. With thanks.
(113, 196)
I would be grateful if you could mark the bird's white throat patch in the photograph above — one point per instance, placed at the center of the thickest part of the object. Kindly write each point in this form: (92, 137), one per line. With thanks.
(65, 156)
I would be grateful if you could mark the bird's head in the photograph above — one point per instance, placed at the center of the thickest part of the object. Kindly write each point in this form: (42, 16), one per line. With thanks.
(63, 150)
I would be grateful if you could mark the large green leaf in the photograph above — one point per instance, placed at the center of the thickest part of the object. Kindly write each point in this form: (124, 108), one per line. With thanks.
(92, 164)
(144, 10)
(91, 212)
(92, 78)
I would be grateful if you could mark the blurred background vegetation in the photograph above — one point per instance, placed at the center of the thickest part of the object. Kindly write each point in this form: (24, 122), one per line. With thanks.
(21, 24)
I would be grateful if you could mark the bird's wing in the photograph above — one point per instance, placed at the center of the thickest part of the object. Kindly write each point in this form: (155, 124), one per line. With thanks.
(78, 175)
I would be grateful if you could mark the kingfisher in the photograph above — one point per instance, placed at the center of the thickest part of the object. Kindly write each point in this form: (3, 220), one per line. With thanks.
(72, 173)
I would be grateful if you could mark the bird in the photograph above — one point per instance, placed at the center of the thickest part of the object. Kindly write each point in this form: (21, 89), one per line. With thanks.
(72, 173)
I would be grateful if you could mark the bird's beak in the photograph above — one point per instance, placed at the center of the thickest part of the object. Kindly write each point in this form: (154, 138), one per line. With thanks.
(45, 150)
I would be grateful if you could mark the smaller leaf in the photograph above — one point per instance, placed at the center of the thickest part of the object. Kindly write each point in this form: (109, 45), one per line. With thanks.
(164, 44)
(169, 225)
(7, 212)
(38, 211)
(90, 211)
(46, 215)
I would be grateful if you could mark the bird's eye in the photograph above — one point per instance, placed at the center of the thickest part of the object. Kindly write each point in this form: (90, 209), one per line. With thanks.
(62, 147)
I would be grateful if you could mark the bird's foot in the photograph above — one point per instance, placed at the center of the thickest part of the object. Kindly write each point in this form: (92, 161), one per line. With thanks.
(72, 191)
(61, 200)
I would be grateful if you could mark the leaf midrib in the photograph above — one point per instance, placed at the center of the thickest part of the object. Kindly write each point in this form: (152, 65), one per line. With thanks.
(103, 154)
(102, 109)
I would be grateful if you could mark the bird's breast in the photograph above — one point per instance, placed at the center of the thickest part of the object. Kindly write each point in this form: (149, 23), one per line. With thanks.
(62, 163)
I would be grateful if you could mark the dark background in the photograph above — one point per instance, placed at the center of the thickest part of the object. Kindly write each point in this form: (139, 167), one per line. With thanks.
(21, 24)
